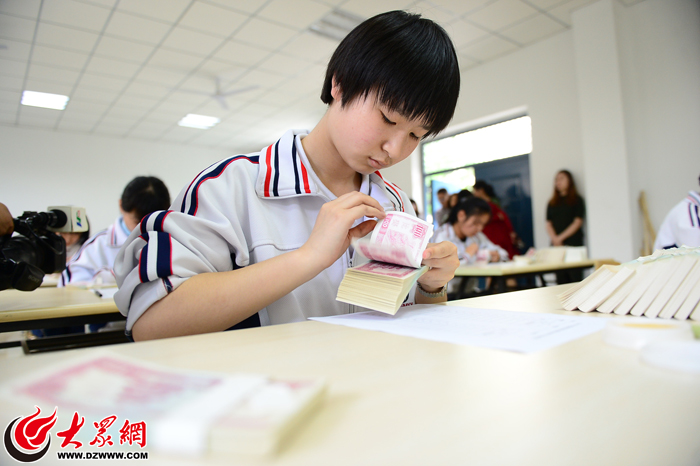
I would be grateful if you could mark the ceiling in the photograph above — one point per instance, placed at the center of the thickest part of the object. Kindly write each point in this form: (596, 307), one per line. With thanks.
(134, 68)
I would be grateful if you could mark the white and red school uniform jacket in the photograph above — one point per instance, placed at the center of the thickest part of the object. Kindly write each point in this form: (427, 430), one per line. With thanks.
(96, 256)
(241, 211)
(681, 227)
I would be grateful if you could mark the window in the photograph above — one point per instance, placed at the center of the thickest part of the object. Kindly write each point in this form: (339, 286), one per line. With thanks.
(450, 162)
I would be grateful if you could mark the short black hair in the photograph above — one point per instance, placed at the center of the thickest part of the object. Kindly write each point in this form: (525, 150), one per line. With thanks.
(442, 190)
(471, 206)
(408, 61)
(485, 187)
(145, 194)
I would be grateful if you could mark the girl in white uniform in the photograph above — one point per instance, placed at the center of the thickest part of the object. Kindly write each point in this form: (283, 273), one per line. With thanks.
(268, 233)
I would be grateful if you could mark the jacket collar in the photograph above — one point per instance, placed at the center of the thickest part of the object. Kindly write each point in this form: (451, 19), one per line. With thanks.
(286, 172)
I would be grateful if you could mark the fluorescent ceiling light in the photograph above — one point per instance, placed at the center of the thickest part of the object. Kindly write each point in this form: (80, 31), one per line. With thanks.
(44, 100)
(336, 24)
(198, 121)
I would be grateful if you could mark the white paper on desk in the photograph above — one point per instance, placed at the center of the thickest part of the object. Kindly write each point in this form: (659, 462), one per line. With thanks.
(522, 332)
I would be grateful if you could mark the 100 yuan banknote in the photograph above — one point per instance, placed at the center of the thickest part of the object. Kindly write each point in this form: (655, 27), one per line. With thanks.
(398, 239)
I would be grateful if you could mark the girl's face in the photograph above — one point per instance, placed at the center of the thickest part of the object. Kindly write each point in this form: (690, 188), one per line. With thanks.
(561, 183)
(469, 226)
(368, 136)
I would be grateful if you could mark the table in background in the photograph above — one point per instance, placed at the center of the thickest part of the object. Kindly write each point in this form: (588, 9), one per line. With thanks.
(57, 307)
(499, 272)
(396, 400)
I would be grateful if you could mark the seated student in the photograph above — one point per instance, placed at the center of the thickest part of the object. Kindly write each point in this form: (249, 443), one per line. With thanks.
(463, 228)
(681, 227)
(95, 259)
(267, 235)
(499, 229)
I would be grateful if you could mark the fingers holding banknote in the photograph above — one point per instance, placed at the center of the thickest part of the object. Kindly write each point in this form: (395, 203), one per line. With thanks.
(333, 229)
(443, 261)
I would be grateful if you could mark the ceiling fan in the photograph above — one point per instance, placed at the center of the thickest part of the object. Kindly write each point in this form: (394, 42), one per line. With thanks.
(220, 96)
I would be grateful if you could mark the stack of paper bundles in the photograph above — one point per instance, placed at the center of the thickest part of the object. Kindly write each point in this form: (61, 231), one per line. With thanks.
(665, 284)
(185, 412)
(392, 263)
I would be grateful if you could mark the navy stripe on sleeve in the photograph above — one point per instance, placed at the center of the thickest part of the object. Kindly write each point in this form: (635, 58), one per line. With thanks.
(143, 265)
(277, 170)
(215, 173)
(297, 188)
(163, 261)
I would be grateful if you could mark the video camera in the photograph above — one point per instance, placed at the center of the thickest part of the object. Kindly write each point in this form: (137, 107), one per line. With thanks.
(36, 249)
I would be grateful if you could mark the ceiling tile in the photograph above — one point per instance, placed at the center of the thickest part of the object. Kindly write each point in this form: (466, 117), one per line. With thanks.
(563, 11)
(14, 28)
(466, 62)
(105, 3)
(52, 87)
(369, 8)
(310, 46)
(96, 81)
(78, 107)
(264, 34)
(180, 134)
(75, 14)
(15, 50)
(94, 95)
(53, 74)
(137, 29)
(174, 61)
(501, 13)
(279, 98)
(12, 68)
(462, 32)
(57, 57)
(212, 19)
(147, 90)
(261, 78)
(127, 116)
(299, 14)
(244, 6)
(149, 129)
(26, 8)
(82, 126)
(111, 47)
(546, 4)
(533, 29)
(240, 54)
(191, 42)
(10, 96)
(223, 70)
(11, 83)
(37, 114)
(488, 48)
(283, 64)
(460, 7)
(162, 10)
(111, 67)
(160, 76)
(428, 9)
(140, 102)
(65, 38)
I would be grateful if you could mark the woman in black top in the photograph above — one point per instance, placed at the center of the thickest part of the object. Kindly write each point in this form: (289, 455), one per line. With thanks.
(565, 213)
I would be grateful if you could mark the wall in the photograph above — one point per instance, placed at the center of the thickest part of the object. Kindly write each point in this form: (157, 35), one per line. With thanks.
(40, 168)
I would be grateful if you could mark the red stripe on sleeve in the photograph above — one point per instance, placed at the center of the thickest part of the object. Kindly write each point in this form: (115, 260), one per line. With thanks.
(268, 175)
(307, 190)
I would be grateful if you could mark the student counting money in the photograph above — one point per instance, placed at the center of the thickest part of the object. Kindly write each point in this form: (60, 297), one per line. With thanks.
(264, 238)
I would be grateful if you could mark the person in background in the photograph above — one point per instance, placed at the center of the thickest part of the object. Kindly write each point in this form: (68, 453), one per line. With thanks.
(94, 261)
(499, 229)
(463, 228)
(681, 227)
(74, 241)
(7, 224)
(565, 213)
(444, 212)
(415, 207)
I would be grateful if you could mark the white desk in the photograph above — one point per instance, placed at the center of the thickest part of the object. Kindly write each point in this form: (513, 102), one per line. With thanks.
(397, 400)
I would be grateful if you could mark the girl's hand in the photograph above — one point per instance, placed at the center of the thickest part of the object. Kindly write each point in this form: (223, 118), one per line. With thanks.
(494, 256)
(443, 261)
(333, 229)
(472, 249)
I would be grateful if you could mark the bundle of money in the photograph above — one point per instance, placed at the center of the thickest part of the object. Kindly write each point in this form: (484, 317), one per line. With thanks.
(394, 250)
